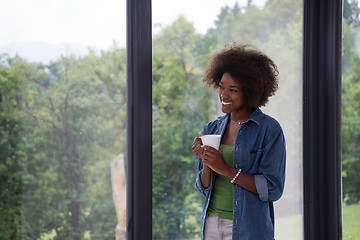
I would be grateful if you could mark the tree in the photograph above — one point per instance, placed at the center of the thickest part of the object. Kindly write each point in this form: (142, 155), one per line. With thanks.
(181, 106)
(10, 135)
(350, 117)
(71, 124)
(352, 13)
(351, 133)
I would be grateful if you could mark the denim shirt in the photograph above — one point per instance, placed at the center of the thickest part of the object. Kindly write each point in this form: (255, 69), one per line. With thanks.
(259, 151)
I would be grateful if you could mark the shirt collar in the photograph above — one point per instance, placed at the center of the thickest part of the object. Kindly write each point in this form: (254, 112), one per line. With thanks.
(255, 117)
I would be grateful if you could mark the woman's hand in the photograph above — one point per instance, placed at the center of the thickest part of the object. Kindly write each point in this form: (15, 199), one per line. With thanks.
(196, 147)
(214, 159)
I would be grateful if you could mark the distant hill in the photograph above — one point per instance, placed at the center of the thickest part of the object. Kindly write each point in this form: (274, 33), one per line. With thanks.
(38, 51)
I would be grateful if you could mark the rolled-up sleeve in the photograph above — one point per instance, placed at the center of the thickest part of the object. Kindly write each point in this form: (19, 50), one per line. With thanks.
(271, 178)
(261, 187)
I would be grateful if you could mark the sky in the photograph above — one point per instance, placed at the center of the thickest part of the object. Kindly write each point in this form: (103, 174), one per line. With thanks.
(95, 23)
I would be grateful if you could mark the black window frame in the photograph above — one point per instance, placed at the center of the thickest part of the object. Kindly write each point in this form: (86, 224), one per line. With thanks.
(139, 120)
(322, 29)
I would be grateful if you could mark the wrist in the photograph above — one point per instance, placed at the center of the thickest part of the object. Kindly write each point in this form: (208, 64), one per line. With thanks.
(229, 172)
(236, 176)
(206, 168)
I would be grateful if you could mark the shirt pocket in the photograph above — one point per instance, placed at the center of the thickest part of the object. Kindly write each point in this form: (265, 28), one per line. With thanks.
(254, 160)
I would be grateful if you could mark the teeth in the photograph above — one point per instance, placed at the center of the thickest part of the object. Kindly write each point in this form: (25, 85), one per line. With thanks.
(225, 103)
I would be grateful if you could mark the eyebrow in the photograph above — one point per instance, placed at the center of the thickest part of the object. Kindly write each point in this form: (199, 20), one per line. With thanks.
(230, 86)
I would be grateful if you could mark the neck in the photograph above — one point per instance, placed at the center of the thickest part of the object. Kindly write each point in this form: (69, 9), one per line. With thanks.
(240, 116)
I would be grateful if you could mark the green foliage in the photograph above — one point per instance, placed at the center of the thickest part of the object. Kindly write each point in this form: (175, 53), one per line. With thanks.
(351, 132)
(350, 117)
(10, 166)
(71, 124)
(61, 125)
(351, 13)
(181, 105)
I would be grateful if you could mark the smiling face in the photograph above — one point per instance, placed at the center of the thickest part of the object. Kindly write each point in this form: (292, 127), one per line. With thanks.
(231, 94)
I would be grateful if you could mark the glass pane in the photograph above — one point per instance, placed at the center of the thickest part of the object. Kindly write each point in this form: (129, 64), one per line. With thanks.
(350, 120)
(62, 119)
(183, 39)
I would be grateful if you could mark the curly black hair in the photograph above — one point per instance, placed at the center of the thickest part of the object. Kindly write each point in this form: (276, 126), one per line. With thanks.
(256, 72)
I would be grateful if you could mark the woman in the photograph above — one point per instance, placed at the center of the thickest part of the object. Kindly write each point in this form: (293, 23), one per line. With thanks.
(242, 179)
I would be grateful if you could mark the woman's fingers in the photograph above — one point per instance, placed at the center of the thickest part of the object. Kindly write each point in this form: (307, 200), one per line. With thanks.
(210, 154)
(196, 143)
(197, 148)
(210, 151)
(213, 158)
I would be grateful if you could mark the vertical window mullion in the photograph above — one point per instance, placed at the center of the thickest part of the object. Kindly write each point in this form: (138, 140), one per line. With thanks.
(139, 122)
(322, 119)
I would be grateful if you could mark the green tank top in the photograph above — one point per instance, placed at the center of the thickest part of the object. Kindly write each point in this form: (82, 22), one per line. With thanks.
(221, 202)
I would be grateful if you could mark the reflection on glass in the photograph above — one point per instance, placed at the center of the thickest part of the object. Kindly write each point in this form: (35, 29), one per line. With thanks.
(182, 104)
(350, 128)
(62, 127)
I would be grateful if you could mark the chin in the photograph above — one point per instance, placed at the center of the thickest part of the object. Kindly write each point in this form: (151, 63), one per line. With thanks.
(225, 110)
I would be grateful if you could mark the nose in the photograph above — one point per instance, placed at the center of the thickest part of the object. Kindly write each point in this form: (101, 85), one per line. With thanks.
(224, 94)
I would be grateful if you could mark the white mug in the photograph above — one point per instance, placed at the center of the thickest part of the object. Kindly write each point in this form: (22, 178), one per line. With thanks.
(211, 140)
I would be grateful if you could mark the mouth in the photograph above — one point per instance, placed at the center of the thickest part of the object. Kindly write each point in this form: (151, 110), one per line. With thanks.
(226, 103)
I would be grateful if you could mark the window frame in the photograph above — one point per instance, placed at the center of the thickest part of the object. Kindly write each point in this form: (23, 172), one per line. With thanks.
(322, 29)
(139, 120)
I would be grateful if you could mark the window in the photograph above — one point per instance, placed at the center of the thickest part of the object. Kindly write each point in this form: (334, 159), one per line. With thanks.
(321, 158)
(62, 119)
(350, 132)
(183, 40)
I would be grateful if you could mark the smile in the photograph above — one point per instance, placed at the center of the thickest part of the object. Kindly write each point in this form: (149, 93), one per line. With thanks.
(225, 103)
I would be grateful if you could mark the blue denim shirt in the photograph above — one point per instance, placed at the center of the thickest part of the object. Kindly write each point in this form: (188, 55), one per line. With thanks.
(259, 151)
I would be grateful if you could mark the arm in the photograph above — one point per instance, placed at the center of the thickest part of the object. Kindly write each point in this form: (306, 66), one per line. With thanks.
(198, 150)
(271, 178)
(244, 180)
(269, 183)
(206, 176)
(213, 159)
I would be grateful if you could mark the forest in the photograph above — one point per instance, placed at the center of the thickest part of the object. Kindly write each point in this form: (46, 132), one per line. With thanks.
(62, 123)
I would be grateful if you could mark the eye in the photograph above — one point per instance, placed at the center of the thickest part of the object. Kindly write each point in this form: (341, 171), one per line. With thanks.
(221, 87)
(233, 90)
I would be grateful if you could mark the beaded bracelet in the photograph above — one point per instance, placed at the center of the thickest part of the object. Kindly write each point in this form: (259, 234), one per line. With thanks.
(237, 174)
